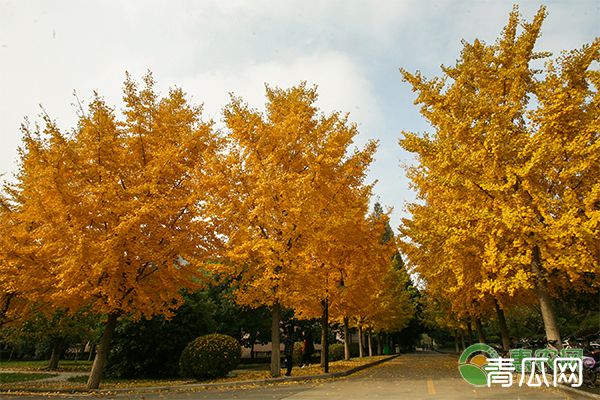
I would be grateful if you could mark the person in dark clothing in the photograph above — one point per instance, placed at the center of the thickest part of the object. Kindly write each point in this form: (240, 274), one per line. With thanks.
(308, 348)
(288, 350)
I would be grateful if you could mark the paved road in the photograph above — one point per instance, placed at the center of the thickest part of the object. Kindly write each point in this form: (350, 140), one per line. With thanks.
(414, 376)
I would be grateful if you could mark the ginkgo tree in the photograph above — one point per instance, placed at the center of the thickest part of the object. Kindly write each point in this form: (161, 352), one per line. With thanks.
(393, 306)
(348, 271)
(353, 279)
(390, 307)
(115, 209)
(296, 190)
(513, 184)
(447, 241)
(13, 301)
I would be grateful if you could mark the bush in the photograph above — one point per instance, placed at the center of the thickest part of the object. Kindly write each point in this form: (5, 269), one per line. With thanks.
(151, 348)
(336, 351)
(210, 356)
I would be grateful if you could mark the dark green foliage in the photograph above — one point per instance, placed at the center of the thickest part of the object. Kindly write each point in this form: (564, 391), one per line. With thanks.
(151, 348)
(336, 352)
(210, 356)
(388, 234)
(248, 325)
(16, 344)
(61, 325)
(408, 337)
(387, 350)
(354, 350)
(579, 313)
(35, 337)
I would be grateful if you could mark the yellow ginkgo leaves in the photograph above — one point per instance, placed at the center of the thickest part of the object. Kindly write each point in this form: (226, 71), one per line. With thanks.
(509, 186)
(114, 212)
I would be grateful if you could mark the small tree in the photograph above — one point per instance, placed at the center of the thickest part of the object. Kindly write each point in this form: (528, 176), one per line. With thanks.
(60, 329)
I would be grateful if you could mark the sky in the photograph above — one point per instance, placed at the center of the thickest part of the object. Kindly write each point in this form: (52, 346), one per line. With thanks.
(351, 50)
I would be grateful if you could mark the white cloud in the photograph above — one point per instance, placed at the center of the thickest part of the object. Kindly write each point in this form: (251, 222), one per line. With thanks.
(341, 84)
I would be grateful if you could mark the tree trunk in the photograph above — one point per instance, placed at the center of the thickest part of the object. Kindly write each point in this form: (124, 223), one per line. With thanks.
(346, 340)
(550, 325)
(360, 341)
(456, 346)
(469, 332)
(102, 352)
(252, 351)
(325, 336)
(462, 339)
(503, 327)
(92, 349)
(379, 345)
(370, 341)
(275, 351)
(58, 347)
(480, 332)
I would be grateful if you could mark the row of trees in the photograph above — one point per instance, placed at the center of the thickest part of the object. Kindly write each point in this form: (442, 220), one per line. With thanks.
(508, 184)
(128, 211)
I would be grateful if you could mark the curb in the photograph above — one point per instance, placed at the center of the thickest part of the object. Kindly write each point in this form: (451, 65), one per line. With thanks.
(223, 385)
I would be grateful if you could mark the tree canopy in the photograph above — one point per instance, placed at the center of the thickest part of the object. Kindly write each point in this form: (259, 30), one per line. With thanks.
(508, 180)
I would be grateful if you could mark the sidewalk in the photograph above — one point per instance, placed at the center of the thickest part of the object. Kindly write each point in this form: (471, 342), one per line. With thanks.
(196, 386)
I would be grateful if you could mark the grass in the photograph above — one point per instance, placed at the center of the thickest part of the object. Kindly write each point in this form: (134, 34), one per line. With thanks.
(40, 365)
(9, 377)
(243, 373)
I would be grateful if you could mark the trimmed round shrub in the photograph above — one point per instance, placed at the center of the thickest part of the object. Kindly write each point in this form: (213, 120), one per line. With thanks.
(336, 351)
(210, 356)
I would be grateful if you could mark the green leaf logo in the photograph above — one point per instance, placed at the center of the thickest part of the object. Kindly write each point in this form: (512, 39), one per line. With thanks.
(472, 362)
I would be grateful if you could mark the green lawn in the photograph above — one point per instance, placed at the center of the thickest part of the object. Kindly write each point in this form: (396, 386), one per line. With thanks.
(9, 377)
(64, 365)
